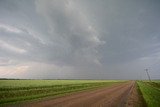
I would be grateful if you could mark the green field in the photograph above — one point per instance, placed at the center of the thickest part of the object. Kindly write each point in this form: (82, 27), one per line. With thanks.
(15, 91)
(150, 92)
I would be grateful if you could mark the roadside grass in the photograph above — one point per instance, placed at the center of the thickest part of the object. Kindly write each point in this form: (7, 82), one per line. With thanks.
(150, 92)
(15, 91)
(142, 102)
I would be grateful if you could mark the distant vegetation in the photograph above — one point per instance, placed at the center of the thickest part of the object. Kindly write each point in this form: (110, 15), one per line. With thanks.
(150, 92)
(13, 91)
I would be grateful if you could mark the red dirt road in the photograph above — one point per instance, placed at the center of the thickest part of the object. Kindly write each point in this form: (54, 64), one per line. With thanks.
(113, 96)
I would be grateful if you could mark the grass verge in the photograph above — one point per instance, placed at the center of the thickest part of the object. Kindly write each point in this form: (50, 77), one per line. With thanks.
(151, 94)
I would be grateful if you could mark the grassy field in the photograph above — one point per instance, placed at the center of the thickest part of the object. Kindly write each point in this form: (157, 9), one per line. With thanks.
(14, 91)
(150, 92)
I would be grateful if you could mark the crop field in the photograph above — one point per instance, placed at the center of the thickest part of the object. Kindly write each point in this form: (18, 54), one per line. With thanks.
(14, 91)
(150, 92)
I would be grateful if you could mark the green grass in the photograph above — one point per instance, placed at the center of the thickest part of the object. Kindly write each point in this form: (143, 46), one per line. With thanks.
(157, 81)
(150, 92)
(15, 91)
(34, 83)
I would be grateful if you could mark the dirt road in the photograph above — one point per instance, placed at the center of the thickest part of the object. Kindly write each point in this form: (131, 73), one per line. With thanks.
(113, 96)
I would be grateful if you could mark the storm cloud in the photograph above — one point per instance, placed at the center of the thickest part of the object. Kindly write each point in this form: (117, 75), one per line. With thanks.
(79, 39)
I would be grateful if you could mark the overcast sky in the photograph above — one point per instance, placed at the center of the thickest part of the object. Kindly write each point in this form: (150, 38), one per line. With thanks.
(79, 39)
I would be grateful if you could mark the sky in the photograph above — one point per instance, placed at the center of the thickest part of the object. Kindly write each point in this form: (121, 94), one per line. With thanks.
(79, 39)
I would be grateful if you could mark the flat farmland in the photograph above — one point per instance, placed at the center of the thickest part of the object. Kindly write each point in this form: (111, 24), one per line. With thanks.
(79, 93)
(16, 91)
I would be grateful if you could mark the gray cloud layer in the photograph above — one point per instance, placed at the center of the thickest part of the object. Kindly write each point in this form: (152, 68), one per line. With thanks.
(79, 39)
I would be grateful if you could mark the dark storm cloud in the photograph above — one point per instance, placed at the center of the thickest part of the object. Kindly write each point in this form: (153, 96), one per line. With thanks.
(98, 39)
(130, 28)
